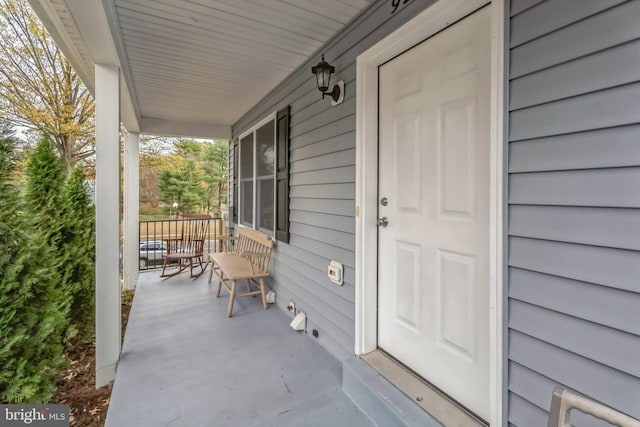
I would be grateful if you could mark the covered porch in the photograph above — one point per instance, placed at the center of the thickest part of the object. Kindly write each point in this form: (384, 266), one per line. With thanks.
(219, 69)
(183, 362)
(561, 119)
(178, 68)
(242, 71)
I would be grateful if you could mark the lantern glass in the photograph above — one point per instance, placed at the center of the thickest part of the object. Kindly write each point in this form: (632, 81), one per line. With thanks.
(323, 73)
(322, 79)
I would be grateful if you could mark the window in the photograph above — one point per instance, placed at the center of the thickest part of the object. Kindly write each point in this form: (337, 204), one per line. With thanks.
(257, 176)
(260, 176)
(265, 178)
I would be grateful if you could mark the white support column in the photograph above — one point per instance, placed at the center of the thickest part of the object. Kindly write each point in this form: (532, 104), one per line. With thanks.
(107, 222)
(131, 209)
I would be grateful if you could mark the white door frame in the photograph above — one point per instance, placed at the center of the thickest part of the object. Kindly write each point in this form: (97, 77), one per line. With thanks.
(434, 19)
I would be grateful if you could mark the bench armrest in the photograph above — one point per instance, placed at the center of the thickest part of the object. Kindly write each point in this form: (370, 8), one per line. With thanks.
(252, 256)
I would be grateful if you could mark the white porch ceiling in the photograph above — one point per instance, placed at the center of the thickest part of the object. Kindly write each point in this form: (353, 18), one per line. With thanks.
(193, 64)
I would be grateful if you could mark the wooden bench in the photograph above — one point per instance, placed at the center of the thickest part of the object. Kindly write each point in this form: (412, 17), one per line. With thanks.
(247, 260)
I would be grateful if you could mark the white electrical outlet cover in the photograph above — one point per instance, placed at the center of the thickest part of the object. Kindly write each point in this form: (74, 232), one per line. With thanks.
(334, 271)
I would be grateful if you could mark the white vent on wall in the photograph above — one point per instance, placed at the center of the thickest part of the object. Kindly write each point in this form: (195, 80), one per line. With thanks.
(299, 323)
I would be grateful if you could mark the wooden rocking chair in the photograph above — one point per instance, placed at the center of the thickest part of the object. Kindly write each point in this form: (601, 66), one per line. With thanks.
(187, 250)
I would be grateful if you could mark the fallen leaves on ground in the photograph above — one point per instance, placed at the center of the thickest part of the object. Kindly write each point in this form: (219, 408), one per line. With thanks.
(76, 384)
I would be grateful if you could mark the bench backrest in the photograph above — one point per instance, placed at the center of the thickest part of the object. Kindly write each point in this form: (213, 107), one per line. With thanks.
(250, 240)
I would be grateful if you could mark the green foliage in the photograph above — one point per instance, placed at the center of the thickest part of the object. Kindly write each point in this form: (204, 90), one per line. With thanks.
(189, 149)
(163, 176)
(43, 181)
(46, 230)
(31, 323)
(78, 251)
(44, 212)
(182, 186)
(47, 289)
(216, 172)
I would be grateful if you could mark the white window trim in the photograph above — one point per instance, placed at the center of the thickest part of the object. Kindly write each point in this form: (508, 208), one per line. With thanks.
(252, 130)
(433, 19)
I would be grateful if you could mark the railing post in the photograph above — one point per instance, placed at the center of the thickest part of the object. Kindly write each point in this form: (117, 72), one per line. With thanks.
(563, 401)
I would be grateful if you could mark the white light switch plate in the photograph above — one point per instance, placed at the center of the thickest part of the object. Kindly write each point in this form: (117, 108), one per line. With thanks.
(335, 272)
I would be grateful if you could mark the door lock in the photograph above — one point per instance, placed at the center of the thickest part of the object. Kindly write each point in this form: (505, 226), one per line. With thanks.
(383, 222)
(384, 201)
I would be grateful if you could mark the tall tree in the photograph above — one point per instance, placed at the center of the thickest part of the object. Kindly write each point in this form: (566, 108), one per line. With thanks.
(31, 323)
(182, 187)
(38, 87)
(211, 157)
(163, 166)
(189, 149)
(151, 164)
(215, 170)
(78, 251)
(43, 207)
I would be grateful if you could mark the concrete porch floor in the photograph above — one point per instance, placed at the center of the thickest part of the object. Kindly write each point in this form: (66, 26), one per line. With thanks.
(184, 363)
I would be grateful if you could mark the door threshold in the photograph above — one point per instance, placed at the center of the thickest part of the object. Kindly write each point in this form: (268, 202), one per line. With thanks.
(429, 398)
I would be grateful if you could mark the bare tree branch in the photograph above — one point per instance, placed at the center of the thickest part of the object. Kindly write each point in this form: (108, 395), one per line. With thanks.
(38, 87)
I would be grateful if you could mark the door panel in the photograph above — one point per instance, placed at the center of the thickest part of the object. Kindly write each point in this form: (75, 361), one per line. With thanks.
(408, 285)
(456, 144)
(408, 184)
(433, 278)
(456, 311)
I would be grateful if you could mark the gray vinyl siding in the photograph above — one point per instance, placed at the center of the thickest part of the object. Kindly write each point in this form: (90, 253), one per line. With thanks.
(574, 205)
(322, 180)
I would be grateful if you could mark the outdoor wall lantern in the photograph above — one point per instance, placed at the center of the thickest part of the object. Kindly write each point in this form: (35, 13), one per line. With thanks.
(323, 73)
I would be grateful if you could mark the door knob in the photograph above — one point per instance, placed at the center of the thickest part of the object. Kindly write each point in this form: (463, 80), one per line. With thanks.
(383, 222)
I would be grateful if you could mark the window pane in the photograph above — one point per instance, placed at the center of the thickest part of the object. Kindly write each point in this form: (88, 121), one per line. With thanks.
(265, 204)
(265, 148)
(265, 151)
(246, 204)
(246, 157)
(246, 180)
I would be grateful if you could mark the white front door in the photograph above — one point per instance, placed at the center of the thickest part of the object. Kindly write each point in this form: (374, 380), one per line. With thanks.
(433, 256)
